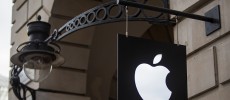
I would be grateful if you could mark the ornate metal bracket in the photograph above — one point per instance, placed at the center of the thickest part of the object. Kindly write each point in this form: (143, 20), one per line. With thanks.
(103, 14)
(212, 17)
(20, 90)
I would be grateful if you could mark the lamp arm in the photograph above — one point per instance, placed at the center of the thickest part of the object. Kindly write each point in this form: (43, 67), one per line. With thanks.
(91, 17)
(166, 10)
(102, 14)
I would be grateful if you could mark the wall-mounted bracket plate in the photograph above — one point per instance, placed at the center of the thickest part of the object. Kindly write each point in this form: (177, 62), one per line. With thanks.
(212, 27)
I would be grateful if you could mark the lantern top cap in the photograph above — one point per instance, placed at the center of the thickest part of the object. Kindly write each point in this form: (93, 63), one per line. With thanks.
(39, 18)
(38, 27)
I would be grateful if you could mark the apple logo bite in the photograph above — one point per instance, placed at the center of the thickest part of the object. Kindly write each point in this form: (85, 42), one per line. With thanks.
(151, 80)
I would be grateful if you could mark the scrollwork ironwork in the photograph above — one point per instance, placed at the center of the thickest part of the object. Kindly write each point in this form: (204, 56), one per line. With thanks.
(103, 14)
(20, 90)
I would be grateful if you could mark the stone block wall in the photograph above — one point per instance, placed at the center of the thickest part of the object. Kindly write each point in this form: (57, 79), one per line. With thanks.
(207, 56)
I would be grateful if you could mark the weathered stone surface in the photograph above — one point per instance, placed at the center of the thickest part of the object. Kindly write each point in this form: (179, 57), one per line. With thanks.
(225, 14)
(33, 7)
(224, 92)
(181, 36)
(75, 57)
(18, 38)
(83, 36)
(220, 93)
(223, 58)
(201, 72)
(21, 17)
(57, 22)
(74, 7)
(14, 11)
(21, 36)
(57, 96)
(12, 39)
(48, 5)
(19, 3)
(181, 5)
(210, 95)
(65, 80)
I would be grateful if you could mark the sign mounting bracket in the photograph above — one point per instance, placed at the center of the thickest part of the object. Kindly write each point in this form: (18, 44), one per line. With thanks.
(212, 17)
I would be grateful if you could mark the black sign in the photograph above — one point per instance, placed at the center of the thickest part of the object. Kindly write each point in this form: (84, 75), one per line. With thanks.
(148, 70)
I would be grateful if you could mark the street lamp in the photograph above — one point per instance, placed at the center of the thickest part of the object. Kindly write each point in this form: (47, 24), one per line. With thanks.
(36, 56)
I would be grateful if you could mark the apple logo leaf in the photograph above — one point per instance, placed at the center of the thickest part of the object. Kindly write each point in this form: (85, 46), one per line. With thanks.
(157, 58)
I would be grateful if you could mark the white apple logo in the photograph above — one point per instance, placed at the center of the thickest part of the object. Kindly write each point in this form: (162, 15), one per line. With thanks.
(151, 81)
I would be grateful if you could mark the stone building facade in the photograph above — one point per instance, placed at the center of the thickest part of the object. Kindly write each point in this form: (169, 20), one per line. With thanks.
(89, 72)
